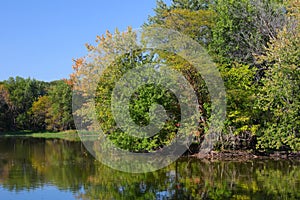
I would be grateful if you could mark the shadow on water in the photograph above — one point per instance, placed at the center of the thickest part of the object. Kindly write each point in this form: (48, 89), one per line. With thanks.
(30, 164)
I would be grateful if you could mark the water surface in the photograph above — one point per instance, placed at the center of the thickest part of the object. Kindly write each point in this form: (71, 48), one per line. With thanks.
(58, 169)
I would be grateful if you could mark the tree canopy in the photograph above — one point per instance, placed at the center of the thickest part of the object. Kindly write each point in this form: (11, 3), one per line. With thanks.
(255, 47)
(254, 44)
(29, 104)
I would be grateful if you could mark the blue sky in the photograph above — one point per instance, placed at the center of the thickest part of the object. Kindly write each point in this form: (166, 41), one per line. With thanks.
(39, 39)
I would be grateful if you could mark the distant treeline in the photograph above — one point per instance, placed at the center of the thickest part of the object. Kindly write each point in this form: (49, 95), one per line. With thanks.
(29, 104)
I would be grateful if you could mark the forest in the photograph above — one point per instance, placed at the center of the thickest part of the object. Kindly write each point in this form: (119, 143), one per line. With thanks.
(29, 104)
(254, 44)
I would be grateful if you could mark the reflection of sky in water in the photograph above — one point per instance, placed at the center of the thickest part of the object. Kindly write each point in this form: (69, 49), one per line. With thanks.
(163, 195)
(44, 192)
(166, 194)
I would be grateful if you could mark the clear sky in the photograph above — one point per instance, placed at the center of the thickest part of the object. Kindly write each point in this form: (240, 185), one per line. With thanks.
(39, 39)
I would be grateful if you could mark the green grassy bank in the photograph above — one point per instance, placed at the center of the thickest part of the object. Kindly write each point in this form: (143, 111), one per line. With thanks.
(67, 135)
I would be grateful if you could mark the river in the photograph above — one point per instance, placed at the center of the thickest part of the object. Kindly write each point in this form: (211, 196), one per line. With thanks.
(33, 168)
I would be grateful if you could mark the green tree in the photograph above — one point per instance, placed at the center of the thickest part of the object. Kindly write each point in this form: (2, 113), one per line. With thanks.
(240, 94)
(4, 108)
(119, 53)
(236, 34)
(139, 106)
(59, 115)
(243, 28)
(190, 17)
(279, 96)
(22, 93)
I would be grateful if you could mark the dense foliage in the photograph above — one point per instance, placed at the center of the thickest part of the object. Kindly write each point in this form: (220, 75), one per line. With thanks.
(278, 98)
(28, 104)
(256, 47)
(254, 43)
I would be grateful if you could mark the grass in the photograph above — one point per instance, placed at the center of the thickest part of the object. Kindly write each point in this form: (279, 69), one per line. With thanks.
(66, 135)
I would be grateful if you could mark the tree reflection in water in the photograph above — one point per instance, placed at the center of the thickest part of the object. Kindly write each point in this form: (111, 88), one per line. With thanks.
(27, 164)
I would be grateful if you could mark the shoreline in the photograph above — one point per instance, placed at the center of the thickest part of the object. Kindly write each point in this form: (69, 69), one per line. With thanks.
(244, 155)
(70, 135)
(222, 155)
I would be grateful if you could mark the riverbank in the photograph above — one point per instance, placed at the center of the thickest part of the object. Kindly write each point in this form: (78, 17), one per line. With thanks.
(224, 155)
(244, 155)
(70, 135)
